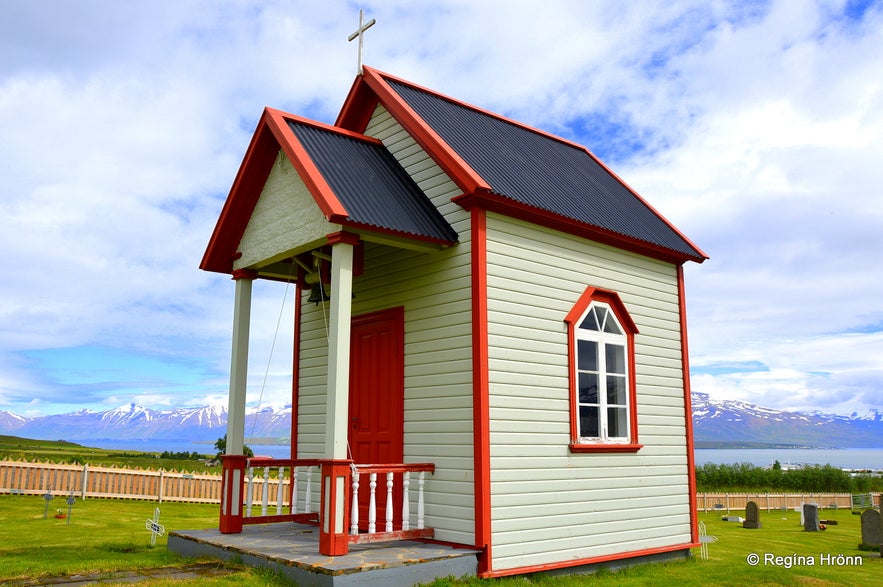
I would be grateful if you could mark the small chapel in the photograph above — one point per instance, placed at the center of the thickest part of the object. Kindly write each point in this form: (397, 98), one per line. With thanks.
(490, 337)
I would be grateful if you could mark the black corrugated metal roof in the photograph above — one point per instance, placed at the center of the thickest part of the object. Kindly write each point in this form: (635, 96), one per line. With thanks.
(371, 185)
(536, 170)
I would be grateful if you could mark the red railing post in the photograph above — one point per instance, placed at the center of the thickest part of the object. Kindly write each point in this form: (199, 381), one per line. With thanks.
(334, 510)
(232, 483)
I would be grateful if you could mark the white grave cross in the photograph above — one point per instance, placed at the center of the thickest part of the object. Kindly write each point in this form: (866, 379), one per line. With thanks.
(360, 32)
(156, 529)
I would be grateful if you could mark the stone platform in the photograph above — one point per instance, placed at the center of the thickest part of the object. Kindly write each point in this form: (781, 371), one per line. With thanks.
(293, 550)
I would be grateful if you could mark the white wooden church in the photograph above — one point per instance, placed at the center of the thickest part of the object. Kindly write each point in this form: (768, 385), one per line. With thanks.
(485, 311)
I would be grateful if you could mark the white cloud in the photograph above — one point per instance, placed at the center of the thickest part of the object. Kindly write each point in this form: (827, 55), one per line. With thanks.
(756, 128)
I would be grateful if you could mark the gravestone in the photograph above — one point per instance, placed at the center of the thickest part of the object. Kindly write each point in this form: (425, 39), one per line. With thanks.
(872, 530)
(811, 517)
(752, 516)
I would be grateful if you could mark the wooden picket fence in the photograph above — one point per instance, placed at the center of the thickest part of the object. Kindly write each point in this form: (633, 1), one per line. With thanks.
(27, 478)
(775, 501)
(33, 478)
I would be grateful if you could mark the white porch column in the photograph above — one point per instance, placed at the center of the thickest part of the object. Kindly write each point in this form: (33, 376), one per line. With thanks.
(239, 361)
(337, 402)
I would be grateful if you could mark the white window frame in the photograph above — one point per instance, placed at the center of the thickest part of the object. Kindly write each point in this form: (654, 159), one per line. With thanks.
(603, 373)
(610, 301)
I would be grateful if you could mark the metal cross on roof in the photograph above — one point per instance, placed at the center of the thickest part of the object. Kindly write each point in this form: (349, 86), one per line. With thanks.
(363, 26)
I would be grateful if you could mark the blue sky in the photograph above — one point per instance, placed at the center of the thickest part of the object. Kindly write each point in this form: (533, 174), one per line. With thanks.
(755, 127)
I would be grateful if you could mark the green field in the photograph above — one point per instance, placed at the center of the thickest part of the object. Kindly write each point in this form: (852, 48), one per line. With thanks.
(59, 451)
(110, 535)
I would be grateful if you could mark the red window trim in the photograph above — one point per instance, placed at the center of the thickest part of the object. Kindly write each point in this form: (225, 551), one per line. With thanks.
(612, 299)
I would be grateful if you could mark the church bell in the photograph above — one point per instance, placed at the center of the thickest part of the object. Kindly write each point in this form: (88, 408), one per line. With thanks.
(318, 293)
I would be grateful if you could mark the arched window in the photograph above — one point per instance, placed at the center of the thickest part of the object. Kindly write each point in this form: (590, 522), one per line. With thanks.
(602, 374)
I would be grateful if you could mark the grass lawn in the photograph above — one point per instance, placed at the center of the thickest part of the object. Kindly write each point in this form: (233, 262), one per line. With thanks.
(109, 535)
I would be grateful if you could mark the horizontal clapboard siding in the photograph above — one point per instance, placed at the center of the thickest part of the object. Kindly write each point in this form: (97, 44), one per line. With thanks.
(549, 505)
(434, 182)
(434, 289)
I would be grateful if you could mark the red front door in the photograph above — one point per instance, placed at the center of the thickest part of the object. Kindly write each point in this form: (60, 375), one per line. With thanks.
(376, 400)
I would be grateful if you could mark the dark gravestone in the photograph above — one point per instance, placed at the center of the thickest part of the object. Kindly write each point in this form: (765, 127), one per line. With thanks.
(811, 517)
(752, 516)
(872, 531)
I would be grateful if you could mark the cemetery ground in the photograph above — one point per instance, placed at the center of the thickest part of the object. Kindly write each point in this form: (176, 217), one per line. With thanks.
(109, 536)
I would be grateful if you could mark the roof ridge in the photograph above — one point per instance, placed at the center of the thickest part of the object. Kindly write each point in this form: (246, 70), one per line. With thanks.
(481, 110)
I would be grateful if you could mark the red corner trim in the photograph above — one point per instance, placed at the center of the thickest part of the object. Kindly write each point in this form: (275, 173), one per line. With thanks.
(480, 387)
(460, 172)
(688, 407)
(615, 302)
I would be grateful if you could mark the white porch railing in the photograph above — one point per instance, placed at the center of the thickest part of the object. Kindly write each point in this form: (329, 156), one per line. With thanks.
(283, 490)
(387, 474)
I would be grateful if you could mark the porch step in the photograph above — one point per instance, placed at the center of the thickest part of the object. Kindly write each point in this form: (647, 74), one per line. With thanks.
(293, 550)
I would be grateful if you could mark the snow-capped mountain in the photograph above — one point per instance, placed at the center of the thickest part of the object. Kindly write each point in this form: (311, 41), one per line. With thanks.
(736, 422)
(135, 422)
(715, 422)
(10, 421)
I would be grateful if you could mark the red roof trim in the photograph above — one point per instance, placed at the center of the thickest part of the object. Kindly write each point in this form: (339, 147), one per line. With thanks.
(358, 109)
(244, 193)
(271, 135)
(507, 207)
(300, 159)
(701, 256)
(361, 102)
(382, 230)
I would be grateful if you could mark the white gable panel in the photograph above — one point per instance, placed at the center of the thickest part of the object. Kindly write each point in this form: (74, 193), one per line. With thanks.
(550, 505)
(285, 219)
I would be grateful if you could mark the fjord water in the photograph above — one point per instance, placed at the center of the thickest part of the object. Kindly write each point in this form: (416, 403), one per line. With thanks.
(846, 458)
(277, 451)
(843, 458)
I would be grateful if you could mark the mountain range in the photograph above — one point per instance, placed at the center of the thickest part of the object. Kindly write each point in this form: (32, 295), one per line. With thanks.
(716, 423)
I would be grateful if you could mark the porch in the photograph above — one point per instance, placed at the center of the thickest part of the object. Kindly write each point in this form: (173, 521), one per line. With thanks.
(293, 549)
(316, 521)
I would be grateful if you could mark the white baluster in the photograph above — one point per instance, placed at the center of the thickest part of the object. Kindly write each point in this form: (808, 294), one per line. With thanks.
(354, 513)
(389, 485)
(308, 494)
(280, 491)
(420, 480)
(406, 499)
(250, 493)
(372, 504)
(265, 491)
(293, 490)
